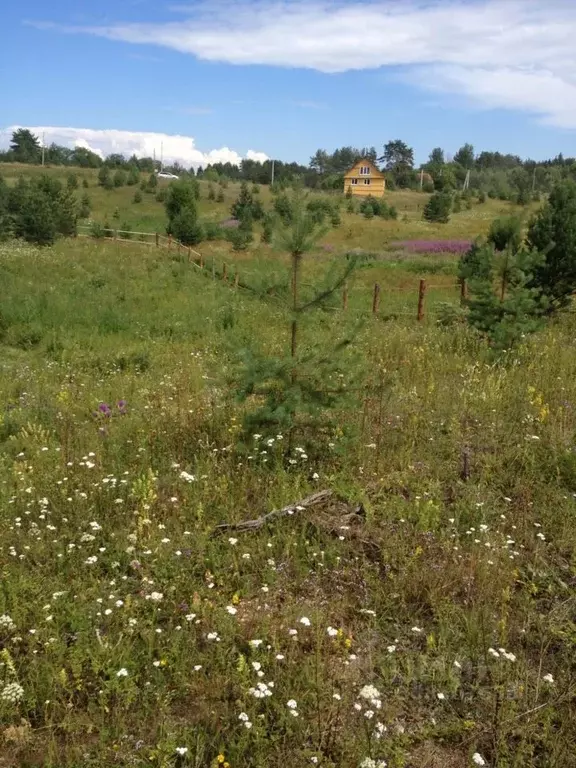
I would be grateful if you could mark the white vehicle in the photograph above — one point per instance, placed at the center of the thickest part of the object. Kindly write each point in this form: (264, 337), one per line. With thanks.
(166, 175)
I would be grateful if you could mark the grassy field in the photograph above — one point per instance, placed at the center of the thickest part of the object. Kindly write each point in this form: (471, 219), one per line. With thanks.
(423, 616)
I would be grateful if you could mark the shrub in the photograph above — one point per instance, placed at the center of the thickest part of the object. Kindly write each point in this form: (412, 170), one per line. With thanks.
(137, 196)
(97, 230)
(72, 181)
(186, 228)
(85, 183)
(119, 178)
(213, 231)
(211, 192)
(220, 196)
(239, 238)
(133, 176)
(85, 207)
(161, 195)
(438, 208)
(482, 197)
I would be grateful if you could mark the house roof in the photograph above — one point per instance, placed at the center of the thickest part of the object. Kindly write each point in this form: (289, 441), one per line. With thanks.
(375, 172)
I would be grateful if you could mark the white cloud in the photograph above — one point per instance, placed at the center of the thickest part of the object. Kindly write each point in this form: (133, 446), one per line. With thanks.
(517, 54)
(142, 144)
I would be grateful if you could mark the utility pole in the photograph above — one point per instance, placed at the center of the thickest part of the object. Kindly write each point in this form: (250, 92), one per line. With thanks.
(421, 179)
(43, 145)
(534, 180)
(272, 182)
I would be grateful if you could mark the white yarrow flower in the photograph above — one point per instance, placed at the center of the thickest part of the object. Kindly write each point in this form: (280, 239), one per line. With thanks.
(122, 672)
(477, 759)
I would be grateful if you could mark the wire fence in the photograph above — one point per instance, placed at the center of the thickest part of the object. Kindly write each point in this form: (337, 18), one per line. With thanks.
(378, 300)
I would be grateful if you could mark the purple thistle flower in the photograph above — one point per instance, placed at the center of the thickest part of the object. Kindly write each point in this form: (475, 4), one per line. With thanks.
(104, 409)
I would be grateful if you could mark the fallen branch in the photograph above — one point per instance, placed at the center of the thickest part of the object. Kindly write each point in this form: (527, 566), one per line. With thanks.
(291, 509)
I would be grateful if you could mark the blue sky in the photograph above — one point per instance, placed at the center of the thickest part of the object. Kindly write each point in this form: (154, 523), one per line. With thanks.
(284, 77)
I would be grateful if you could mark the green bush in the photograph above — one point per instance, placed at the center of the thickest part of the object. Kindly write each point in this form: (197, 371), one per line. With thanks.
(186, 228)
(119, 178)
(438, 208)
(72, 181)
(213, 231)
(137, 196)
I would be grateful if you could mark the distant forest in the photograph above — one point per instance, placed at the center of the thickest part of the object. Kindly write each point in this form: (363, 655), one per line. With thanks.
(503, 176)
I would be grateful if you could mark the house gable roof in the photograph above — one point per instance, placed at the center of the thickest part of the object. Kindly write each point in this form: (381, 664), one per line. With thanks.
(354, 171)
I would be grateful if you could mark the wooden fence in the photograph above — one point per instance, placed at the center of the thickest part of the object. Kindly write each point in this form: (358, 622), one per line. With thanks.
(232, 278)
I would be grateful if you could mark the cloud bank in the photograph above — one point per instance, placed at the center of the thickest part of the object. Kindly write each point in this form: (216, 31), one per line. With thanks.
(517, 54)
(180, 149)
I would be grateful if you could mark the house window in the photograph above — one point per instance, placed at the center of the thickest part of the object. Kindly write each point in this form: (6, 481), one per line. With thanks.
(365, 170)
(367, 181)
(354, 181)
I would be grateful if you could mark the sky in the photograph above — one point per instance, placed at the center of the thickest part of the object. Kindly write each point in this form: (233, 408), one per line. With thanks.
(226, 79)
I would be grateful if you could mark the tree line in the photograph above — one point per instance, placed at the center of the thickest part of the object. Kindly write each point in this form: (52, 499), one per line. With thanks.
(497, 175)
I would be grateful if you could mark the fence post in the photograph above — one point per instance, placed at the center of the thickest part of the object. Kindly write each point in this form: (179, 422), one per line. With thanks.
(236, 280)
(463, 291)
(169, 242)
(345, 298)
(157, 239)
(189, 254)
(421, 295)
(225, 272)
(201, 261)
(376, 298)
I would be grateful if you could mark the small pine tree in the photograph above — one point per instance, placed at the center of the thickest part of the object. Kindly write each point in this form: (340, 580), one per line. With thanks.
(72, 181)
(211, 192)
(186, 228)
(220, 196)
(85, 183)
(268, 229)
(350, 207)
(85, 206)
(255, 189)
(119, 178)
(137, 197)
(133, 176)
(481, 197)
(104, 179)
(438, 208)
(368, 212)
(553, 232)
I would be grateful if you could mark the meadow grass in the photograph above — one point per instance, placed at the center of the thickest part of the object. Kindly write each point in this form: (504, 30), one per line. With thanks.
(422, 617)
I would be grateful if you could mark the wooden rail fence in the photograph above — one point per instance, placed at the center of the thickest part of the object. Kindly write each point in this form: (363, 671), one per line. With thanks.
(197, 260)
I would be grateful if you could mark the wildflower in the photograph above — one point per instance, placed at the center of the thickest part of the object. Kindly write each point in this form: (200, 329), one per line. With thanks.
(255, 643)
(122, 672)
(369, 714)
(13, 693)
(292, 632)
(232, 541)
(548, 679)
(220, 758)
(337, 696)
(493, 653)
(155, 597)
(369, 692)
(457, 665)
(181, 750)
(6, 623)
(417, 630)
(441, 696)
(305, 621)
(91, 560)
(256, 666)
(212, 636)
(280, 656)
(190, 616)
(243, 716)
(197, 667)
(391, 648)
(477, 759)
(292, 704)
(231, 610)
(187, 477)
(332, 632)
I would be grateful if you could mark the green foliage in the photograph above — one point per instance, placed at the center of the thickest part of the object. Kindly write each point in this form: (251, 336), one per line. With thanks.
(97, 231)
(399, 161)
(239, 238)
(85, 183)
(438, 208)
(502, 304)
(220, 196)
(186, 228)
(213, 231)
(152, 184)
(161, 195)
(553, 232)
(137, 197)
(211, 192)
(506, 232)
(25, 146)
(41, 210)
(181, 194)
(245, 206)
(105, 178)
(268, 227)
(373, 206)
(72, 181)
(255, 189)
(291, 390)
(85, 206)
(119, 178)
(133, 177)
(465, 156)
(481, 197)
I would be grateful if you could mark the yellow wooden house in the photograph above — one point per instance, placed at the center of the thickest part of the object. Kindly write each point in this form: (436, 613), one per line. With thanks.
(365, 179)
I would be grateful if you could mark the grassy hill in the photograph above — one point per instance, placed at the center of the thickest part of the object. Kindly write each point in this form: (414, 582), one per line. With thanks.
(421, 615)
